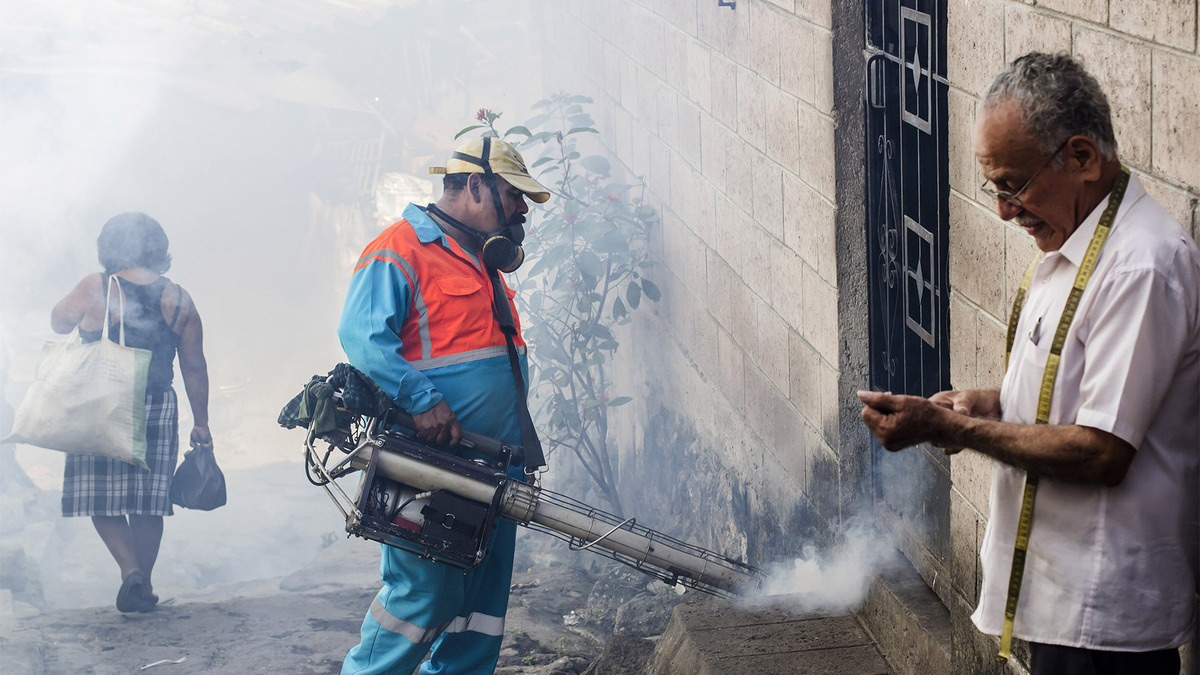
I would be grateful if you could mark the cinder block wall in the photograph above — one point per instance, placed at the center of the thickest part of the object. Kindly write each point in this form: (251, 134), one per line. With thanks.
(728, 115)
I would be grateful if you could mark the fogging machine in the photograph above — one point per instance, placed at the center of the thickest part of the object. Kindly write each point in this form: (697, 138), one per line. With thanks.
(444, 507)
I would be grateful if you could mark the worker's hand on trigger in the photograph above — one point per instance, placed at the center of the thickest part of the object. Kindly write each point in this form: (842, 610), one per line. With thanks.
(438, 425)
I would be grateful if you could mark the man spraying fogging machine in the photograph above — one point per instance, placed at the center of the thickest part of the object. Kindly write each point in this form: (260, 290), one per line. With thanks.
(434, 345)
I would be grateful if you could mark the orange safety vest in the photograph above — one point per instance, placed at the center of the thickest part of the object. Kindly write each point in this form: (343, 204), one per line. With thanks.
(450, 319)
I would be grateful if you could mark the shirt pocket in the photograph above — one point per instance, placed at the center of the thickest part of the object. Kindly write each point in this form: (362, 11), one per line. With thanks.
(463, 310)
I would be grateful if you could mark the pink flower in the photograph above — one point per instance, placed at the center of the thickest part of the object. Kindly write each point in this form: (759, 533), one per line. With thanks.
(482, 115)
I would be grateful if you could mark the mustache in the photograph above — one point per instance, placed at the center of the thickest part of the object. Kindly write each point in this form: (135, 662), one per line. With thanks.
(516, 220)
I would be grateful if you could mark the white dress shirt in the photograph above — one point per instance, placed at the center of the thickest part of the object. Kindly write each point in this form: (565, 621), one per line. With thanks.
(1108, 568)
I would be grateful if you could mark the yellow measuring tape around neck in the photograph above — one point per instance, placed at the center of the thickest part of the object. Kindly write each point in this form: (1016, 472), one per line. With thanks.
(1086, 267)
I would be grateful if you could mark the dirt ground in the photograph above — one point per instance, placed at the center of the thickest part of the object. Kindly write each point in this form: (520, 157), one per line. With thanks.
(222, 611)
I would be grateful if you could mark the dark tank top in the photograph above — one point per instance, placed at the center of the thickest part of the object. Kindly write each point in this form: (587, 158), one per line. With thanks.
(145, 328)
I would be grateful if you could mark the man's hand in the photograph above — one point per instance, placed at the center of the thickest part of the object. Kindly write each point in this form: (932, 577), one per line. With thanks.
(972, 403)
(901, 421)
(438, 425)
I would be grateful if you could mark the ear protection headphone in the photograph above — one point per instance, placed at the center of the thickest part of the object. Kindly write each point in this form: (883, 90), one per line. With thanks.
(498, 250)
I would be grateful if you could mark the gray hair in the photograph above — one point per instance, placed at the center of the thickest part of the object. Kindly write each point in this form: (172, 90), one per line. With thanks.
(1056, 99)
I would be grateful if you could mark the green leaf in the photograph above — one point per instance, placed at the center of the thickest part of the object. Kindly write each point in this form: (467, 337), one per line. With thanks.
(633, 293)
(596, 164)
(470, 128)
(620, 400)
(651, 290)
(580, 130)
(518, 129)
(619, 312)
(591, 265)
(541, 162)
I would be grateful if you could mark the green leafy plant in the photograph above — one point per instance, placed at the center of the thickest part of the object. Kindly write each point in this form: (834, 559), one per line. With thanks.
(584, 275)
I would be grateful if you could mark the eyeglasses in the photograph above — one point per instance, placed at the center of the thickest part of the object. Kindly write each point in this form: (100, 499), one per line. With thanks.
(1014, 198)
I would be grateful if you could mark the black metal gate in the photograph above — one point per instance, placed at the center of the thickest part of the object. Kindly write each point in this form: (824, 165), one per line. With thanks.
(907, 233)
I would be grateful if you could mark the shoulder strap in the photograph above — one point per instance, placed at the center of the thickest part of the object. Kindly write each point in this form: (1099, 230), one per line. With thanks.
(534, 457)
(178, 305)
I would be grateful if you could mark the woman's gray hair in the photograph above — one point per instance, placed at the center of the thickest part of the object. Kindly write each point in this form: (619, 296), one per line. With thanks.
(1056, 99)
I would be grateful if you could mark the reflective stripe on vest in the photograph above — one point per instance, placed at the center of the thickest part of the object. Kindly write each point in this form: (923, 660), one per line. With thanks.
(451, 318)
(477, 623)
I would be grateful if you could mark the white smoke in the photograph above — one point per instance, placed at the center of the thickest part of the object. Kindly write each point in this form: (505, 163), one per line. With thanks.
(834, 579)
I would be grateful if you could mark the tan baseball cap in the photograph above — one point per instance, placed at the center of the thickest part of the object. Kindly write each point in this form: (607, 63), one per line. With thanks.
(503, 159)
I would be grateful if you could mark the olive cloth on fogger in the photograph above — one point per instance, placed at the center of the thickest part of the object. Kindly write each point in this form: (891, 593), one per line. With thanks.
(360, 396)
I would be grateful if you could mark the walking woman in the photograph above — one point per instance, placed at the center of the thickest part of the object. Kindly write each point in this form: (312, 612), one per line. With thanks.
(127, 503)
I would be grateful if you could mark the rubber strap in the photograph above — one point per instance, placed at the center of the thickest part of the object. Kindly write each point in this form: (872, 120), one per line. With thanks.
(535, 458)
(1046, 395)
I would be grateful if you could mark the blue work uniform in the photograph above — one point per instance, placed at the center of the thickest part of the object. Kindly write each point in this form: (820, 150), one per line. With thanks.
(418, 320)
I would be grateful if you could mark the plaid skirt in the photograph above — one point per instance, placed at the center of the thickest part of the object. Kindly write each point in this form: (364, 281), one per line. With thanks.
(100, 486)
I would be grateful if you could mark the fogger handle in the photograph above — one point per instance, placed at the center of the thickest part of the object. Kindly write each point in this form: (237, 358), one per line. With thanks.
(485, 445)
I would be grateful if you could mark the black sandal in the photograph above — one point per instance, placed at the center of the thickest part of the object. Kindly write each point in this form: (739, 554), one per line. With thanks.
(129, 598)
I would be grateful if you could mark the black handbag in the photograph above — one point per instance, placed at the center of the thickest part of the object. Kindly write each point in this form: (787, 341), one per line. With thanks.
(198, 482)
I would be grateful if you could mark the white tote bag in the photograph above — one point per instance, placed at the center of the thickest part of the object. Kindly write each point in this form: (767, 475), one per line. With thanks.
(88, 399)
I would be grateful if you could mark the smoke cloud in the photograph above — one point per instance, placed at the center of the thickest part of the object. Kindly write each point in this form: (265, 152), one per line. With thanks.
(834, 579)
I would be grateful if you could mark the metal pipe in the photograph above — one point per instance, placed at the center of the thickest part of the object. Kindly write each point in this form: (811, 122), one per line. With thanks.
(516, 506)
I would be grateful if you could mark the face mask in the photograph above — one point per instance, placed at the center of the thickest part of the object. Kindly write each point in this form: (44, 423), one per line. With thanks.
(498, 250)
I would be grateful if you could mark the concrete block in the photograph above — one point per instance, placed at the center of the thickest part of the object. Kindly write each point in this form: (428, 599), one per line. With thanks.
(704, 343)
(963, 343)
(964, 546)
(717, 299)
(723, 75)
(705, 216)
(809, 227)
(823, 71)
(648, 86)
(727, 219)
(673, 252)
(787, 285)
(645, 32)
(971, 475)
(757, 259)
(675, 60)
(1165, 22)
(817, 156)
(975, 43)
(820, 316)
(699, 74)
(909, 622)
(639, 138)
(783, 129)
(976, 255)
(824, 487)
(804, 377)
(765, 22)
(751, 112)
(760, 408)
(788, 5)
(790, 444)
(1178, 203)
(830, 411)
(820, 12)
(1122, 67)
(739, 180)
(1095, 11)
(629, 83)
(1176, 116)
(768, 195)
(745, 319)
(659, 176)
(990, 355)
(712, 151)
(668, 115)
(1027, 31)
(731, 374)
(688, 132)
(773, 347)
(682, 310)
(960, 123)
(797, 74)
(1019, 250)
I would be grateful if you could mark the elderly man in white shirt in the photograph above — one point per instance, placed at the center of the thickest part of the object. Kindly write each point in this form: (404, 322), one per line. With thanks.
(1109, 441)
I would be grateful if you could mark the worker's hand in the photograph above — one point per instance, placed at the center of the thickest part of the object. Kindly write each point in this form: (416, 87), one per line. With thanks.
(901, 421)
(438, 425)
